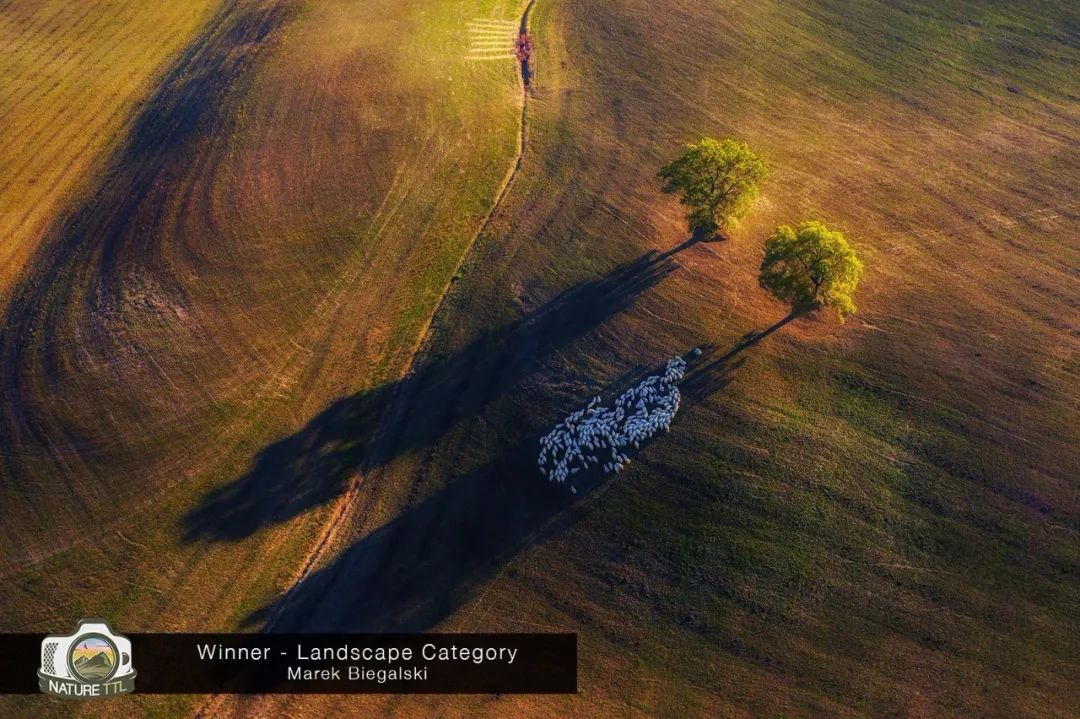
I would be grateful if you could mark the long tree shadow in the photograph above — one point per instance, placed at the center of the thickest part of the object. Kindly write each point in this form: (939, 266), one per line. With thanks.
(415, 571)
(711, 372)
(313, 465)
(697, 236)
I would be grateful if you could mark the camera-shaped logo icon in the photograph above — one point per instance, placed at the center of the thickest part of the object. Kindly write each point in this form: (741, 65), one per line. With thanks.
(92, 661)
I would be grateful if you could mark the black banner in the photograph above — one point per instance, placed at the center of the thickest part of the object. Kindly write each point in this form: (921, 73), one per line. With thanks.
(325, 663)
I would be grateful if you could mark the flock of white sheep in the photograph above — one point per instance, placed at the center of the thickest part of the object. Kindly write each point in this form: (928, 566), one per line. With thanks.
(578, 442)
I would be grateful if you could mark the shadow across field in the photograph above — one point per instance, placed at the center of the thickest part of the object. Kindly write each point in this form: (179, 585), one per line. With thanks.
(416, 570)
(711, 372)
(313, 465)
(696, 237)
(413, 572)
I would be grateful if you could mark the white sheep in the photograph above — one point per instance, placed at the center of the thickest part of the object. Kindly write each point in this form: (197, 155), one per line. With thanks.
(636, 416)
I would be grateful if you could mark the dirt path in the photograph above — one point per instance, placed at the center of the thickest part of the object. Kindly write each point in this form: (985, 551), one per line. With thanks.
(403, 398)
(347, 511)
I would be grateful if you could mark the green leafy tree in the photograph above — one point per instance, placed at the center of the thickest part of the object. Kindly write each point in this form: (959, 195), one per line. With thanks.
(811, 266)
(716, 180)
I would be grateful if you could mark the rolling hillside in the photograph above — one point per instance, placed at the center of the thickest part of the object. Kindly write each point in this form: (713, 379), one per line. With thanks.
(272, 232)
(218, 363)
(875, 519)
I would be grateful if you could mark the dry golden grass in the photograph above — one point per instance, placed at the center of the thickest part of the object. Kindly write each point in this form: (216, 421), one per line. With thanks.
(877, 519)
(272, 232)
(869, 520)
(71, 78)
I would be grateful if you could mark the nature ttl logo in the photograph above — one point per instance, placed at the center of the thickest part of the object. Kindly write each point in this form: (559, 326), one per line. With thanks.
(92, 661)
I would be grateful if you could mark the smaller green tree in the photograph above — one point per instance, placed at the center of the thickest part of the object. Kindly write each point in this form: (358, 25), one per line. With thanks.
(810, 266)
(716, 180)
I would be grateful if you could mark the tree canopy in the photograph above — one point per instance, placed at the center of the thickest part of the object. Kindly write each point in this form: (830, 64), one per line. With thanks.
(716, 180)
(810, 266)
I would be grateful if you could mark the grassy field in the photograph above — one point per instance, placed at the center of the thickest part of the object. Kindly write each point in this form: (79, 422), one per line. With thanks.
(70, 81)
(874, 519)
(877, 519)
(271, 233)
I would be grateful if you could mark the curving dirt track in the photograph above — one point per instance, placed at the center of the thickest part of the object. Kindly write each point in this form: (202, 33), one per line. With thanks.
(236, 258)
(402, 408)
(843, 521)
(351, 512)
(813, 514)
